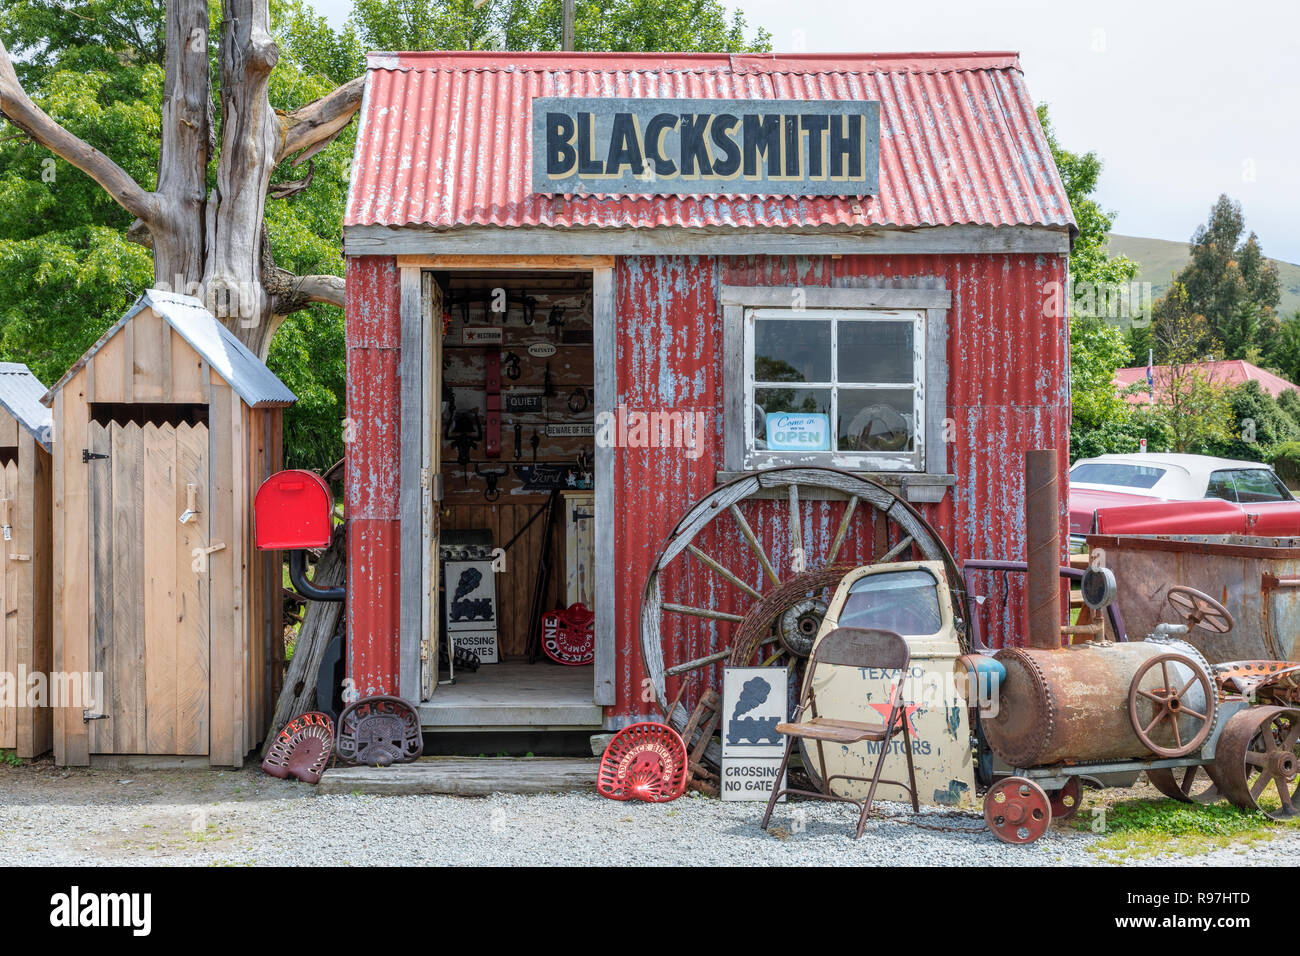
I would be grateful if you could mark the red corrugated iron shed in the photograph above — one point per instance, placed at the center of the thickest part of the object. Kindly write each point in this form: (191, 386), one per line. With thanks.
(969, 202)
(444, 139)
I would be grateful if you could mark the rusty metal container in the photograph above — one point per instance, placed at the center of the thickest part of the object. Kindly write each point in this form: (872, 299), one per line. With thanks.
(1257, 579)
(1070, 705)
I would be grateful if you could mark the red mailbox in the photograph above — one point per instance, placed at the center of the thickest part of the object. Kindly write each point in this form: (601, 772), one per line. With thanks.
(292, 510)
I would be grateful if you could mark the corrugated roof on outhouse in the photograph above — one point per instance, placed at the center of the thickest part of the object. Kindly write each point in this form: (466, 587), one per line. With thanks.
(20, 396)
(256, 384)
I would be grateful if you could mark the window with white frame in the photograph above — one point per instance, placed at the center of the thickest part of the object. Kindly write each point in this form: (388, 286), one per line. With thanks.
(844, 387)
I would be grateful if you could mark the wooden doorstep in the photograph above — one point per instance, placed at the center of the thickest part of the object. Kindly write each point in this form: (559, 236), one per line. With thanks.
(465, 776)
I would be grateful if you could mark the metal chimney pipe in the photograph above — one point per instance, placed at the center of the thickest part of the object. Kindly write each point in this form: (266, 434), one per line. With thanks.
(1042, 550)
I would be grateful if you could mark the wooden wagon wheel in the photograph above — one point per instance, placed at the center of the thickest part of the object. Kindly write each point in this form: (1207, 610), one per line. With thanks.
(778, 582)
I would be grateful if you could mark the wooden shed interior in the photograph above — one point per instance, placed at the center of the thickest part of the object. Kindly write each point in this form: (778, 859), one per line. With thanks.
(169, 426)
(524, 486)
(26, 556)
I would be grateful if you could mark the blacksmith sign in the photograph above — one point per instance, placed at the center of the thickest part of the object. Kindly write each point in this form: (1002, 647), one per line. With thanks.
(654, 146)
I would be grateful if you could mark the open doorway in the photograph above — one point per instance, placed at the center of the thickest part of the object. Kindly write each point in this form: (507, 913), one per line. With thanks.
(514, 561)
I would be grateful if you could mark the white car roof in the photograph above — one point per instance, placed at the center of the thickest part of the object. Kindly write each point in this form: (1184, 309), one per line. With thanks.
(1186, 475)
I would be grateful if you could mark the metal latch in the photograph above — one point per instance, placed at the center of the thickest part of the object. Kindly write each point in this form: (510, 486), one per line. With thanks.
(88, 715)
(88, 456)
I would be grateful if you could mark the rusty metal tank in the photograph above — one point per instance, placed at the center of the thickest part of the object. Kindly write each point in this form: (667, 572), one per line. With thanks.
(1070, 704)
(1256, 578)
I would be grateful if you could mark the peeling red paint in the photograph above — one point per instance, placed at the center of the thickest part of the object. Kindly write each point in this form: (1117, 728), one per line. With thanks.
(373, 471)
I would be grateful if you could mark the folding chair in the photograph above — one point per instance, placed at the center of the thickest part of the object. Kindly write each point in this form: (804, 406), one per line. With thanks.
(858, 648)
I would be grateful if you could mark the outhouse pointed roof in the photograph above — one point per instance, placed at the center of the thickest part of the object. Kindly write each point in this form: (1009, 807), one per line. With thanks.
(20, 396)
(243, 371)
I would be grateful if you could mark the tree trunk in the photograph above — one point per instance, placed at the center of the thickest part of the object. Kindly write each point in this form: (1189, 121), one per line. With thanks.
(212, 246)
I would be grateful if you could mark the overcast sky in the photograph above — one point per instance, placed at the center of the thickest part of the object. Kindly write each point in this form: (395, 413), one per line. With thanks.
(1182, 101)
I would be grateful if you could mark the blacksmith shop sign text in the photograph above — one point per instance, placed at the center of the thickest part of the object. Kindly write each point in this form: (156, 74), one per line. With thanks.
(650, 146)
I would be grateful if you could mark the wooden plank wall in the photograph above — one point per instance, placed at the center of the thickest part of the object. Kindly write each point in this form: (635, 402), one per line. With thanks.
(33, 535)
(228, 618)
(572, 367)
(10, 492)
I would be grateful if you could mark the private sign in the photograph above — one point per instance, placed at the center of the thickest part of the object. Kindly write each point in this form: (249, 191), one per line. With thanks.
(673, 146)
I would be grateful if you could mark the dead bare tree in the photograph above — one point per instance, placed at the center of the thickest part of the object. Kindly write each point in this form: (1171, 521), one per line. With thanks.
(212, 245)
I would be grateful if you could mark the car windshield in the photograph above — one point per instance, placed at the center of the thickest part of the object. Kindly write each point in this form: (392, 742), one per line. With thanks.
(905, 602)
(1116, 473)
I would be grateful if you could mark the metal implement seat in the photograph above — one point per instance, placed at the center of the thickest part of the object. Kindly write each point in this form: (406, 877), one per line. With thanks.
(858, 648)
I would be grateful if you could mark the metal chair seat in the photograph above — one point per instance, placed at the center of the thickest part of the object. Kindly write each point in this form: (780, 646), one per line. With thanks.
(835, 731)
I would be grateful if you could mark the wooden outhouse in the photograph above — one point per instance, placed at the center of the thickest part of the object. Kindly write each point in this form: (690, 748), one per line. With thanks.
(164, 613)
(26, 552)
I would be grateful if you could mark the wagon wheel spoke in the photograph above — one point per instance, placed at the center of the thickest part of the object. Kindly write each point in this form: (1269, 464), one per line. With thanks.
(702, 612)
(726, 573)
(842, 531)
(1256, 759)
(896, 550)
(796, 529)
(748, 533)
(1150, 696)
(1191, 713)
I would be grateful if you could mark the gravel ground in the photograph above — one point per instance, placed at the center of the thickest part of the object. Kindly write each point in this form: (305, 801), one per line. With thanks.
(87, 817)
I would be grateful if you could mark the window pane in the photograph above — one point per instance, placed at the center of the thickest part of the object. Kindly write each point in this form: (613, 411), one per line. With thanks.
(1258, 484)
(792, 350)
(1221, 486)
(1114, 473)
(876, 352)
(876, 419)
(767, 400)
(906, 602)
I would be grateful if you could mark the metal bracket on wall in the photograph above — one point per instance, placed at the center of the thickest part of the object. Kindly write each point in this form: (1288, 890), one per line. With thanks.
(88, 456)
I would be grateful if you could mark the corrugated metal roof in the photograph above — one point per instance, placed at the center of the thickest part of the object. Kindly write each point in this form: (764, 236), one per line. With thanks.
(444, 140)
(243, 371)
(20, 395)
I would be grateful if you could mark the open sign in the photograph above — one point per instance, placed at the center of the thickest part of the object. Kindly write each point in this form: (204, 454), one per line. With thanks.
(787, 431)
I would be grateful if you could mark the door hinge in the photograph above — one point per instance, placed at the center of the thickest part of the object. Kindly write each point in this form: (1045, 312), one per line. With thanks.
(88, 456)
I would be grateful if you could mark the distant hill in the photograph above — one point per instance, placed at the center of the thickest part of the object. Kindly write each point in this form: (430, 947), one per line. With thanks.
(1160, 259)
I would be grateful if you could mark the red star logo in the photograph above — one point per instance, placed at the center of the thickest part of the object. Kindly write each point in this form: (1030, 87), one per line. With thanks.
(908, 711)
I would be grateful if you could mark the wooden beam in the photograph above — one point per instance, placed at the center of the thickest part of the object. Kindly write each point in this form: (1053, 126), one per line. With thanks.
(514, 262)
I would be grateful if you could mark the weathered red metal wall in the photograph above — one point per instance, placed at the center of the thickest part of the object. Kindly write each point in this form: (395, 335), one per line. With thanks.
(372, 430)
(1007, 392)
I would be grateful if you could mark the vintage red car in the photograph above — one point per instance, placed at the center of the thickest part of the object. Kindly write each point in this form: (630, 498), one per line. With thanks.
(1178, 494)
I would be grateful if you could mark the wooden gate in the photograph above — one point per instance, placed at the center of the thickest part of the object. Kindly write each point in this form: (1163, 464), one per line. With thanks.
(148, 597)
(9, 607)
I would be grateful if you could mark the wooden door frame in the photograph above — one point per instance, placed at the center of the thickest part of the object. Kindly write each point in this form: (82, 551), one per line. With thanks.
(421, 390)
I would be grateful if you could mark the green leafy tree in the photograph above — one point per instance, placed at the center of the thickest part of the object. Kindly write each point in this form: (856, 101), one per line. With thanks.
(1259, 424)
(1229, 281)
(619, 26)
(71, 261)
(1195, 407)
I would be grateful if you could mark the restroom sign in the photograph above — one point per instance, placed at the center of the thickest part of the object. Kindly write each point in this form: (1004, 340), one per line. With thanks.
(787, 431)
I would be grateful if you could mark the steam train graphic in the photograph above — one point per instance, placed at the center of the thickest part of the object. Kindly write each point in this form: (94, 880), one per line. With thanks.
(743, 730)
